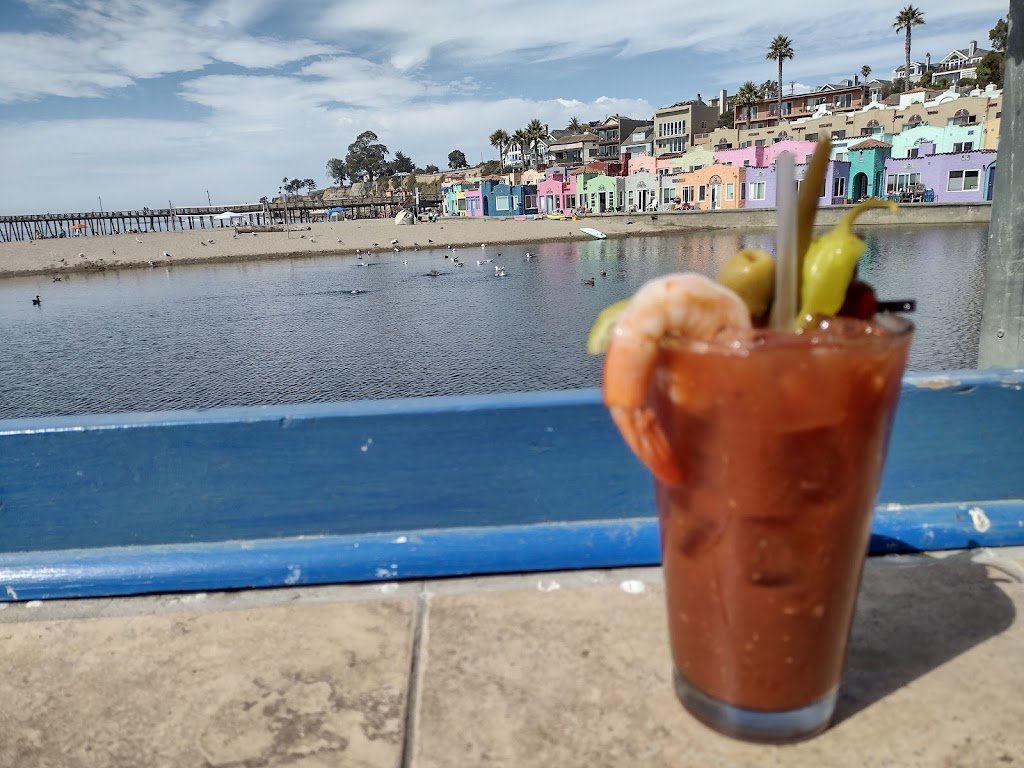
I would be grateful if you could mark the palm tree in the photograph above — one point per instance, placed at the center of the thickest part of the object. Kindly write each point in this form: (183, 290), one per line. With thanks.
(747, 96)
(499, 140)
(575, 125)
(522, 138)
(906, 19)
(536, 131)
(780, 49)
(865, 71)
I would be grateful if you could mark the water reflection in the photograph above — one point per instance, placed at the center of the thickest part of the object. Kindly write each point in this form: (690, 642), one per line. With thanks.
(310, 330)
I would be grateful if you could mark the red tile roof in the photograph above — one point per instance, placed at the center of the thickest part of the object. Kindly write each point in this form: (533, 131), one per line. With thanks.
(871, 144)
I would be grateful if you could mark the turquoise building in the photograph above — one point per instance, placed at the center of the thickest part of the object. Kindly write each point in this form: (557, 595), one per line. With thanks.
(867, 169)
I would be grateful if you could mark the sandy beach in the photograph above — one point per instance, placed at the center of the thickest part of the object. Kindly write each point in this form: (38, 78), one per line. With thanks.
(96, 253)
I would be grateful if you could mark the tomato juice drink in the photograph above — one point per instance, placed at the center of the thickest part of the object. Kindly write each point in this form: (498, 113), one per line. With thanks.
(780, 440)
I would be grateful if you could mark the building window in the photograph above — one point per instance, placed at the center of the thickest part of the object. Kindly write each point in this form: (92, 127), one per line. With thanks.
(759, 142)
(963, 146)
(896, 182)
(838, 135)
(730, 191)
(757, 190)
(962, 181)
(501, 203)
(743, 191)
(702, 193)
(839, 186)
(811, 137)
(913, 152)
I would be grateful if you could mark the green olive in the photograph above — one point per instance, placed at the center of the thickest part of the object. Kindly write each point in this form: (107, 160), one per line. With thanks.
(750, 274)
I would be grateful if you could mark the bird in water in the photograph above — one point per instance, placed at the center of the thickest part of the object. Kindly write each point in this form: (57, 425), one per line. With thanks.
(37, 301)
(589, 281)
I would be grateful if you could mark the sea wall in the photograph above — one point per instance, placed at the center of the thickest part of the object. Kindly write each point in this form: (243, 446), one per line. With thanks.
(913, 214)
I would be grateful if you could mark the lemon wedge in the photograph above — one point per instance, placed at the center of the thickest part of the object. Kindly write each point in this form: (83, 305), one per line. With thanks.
(600, 335)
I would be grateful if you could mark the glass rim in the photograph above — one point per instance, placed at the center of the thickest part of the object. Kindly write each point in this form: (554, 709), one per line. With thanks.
(895, 328)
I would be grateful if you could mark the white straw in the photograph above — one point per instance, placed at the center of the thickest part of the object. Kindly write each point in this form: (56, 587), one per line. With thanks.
(785, 305)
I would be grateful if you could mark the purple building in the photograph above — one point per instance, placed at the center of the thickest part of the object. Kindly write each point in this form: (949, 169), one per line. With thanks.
(951, 177)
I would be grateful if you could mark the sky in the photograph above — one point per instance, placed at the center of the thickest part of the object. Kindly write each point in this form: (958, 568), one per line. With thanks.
(120, 104)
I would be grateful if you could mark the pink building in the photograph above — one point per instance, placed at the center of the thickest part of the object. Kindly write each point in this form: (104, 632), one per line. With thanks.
(764, 156)
(643, 162)
(474, 202)
(556, 193)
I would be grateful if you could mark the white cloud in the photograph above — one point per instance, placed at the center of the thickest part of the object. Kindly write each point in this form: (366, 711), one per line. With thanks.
(426, 79)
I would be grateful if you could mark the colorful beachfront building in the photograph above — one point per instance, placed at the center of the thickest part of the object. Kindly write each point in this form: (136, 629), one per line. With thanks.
(952, 177)
(642, 191)
(760, 156)
(947, 138)
(557, 192)
(717, 186)
(597, 191)
(866, 174)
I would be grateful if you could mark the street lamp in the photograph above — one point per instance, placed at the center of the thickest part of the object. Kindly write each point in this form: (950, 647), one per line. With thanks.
(208, 202)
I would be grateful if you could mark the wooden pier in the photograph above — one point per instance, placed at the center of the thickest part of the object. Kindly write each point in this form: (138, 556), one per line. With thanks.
(276, 212)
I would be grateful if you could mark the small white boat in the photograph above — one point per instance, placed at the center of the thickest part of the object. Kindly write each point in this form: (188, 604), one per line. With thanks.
(594, 232)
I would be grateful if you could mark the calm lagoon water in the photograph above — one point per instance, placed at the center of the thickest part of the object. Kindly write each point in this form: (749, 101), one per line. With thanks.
(326, 329)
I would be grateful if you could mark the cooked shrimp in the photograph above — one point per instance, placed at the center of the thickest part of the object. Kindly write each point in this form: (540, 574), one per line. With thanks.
(686, 305)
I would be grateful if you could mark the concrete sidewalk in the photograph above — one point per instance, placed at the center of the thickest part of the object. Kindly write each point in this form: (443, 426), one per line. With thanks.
(554, 669)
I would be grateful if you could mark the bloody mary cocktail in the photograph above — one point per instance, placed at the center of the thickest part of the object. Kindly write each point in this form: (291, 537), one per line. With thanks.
(779, 439)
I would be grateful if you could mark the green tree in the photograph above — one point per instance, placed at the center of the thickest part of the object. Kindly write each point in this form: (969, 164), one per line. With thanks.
(401, 164)
(747, 96)
(998, 36)
(769, 89)
(291, 186)
(727, 119)
(537, 132)
(366, 157)
(491, 168)
(309, 184)
(337, 171)
(499, 140)
(457, 160)
(780, 49)
(991, 69)
(906, 20)
(431, 169)
(865, 72)
(575, 126)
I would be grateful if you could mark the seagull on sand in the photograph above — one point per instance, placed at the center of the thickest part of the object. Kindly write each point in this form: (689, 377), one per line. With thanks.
(137, 240)
(395, 241)
(167, 255)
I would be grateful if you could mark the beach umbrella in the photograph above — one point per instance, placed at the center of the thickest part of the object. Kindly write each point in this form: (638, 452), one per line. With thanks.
(79, 226)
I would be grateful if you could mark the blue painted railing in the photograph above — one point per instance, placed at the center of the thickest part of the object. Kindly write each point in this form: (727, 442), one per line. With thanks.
(384, 490)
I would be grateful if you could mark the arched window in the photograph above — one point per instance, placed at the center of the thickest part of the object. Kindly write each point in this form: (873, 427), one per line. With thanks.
(873, 124)
(914, 121)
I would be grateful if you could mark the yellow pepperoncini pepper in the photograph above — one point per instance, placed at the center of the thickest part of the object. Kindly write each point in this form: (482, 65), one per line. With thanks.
(830, 263)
